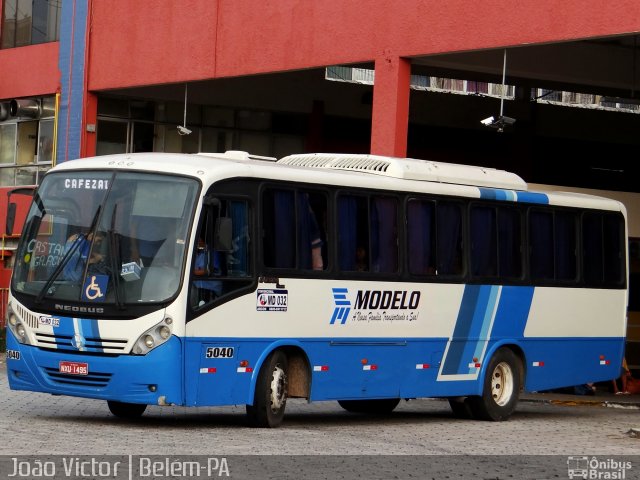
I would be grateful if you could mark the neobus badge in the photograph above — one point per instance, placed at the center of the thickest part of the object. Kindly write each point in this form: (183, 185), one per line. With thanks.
(272, 300)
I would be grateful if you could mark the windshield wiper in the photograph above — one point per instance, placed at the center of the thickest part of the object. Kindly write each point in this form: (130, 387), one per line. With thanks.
(114, 247)
(80, 239)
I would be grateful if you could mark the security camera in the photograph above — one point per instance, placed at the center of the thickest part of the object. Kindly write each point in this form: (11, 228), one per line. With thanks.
(498, 123)
(507, 120)
(487, 121)
(183, 130)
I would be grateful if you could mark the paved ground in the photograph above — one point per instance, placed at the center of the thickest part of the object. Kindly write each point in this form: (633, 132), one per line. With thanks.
(544, 424)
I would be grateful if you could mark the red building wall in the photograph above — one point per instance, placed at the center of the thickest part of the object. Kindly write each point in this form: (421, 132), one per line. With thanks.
(137, 42)
(29, 71)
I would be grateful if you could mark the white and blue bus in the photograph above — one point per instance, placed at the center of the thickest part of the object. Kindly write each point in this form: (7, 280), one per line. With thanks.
(226, 279)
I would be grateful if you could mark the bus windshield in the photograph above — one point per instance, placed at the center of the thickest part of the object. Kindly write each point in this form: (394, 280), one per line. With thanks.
(105, 237)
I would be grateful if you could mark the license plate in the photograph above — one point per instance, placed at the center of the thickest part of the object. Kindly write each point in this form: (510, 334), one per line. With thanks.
(74, 368)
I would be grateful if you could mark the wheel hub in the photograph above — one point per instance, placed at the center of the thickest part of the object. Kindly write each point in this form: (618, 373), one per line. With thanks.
(278, 389)
(502, 384)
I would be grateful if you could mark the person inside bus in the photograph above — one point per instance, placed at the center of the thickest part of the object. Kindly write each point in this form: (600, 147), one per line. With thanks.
(206, 265)
(84, 255)
(309, 233)
(362, 264)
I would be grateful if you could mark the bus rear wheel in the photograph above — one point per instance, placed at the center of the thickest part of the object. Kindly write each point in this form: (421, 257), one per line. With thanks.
(126, 410)
(381, 406)
(501, 388)
(270, 397)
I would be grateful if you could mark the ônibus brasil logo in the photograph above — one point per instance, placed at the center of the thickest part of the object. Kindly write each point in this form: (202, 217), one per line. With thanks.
(372, 300)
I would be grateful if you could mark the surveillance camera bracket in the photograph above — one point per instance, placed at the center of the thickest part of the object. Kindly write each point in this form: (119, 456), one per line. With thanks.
(502, 121)
(182, 129)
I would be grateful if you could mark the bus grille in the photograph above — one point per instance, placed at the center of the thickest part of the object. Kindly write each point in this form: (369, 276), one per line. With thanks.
(96, 345)
(28, 317)
(93, 379)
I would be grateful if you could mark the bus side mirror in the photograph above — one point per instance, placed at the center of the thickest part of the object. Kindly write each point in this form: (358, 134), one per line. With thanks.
(12, 206)
(11, 218)
(223, 236)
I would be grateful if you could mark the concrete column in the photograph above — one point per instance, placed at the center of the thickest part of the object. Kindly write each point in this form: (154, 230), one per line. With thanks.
(390, 116)
(89, 125)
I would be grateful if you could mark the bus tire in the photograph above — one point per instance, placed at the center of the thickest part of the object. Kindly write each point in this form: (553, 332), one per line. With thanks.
(380, 406)
(501, 388)
(270, 397)
(126, 410)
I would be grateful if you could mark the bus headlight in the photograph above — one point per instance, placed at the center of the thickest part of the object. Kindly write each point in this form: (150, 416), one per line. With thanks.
(148, 341)
(165, 332)
(17, 327)
(22, 333)
(154, 337)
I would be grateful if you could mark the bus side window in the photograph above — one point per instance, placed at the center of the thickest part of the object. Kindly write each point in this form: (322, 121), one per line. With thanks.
(421, 226)
(294, 229)
(509, 242)
(449, 238)
(614, 247)
(565, 243)
(353, 234)
(236, 261)
(484, 242)
(217, 272)
(383, 217)
(603, 249)
(541, 245)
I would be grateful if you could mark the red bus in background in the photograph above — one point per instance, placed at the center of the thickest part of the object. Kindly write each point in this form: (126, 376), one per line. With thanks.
(20, 199)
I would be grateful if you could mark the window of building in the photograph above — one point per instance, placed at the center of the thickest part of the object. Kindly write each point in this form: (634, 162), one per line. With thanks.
(30, 22)
(152, 126)
(27, 144)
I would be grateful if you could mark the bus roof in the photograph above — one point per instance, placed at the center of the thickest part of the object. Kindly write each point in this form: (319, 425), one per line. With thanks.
(373, 171)
(411, 169)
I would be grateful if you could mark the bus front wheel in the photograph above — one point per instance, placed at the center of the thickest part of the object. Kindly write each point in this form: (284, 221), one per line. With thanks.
(270, 397)
(126, 410)
(501, 388)
(385, 405)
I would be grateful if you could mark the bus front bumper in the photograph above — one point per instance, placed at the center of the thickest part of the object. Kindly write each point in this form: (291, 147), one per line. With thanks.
(154, 378)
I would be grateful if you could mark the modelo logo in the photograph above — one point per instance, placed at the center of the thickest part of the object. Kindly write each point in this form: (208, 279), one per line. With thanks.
(70, 308)
(386, 300)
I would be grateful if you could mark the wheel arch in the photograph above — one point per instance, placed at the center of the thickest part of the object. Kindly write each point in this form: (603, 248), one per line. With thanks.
(299, 374)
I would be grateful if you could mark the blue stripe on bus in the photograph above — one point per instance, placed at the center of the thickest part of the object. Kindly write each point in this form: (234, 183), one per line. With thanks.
(512, 313)
(65, 327)
(91, 330)
(87, 328)
(493, 194)
(530, 197)
(472, 328)
(513, 196)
